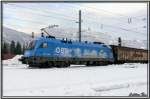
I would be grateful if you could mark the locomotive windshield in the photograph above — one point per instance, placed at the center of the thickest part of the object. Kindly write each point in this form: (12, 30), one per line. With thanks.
(31, 45)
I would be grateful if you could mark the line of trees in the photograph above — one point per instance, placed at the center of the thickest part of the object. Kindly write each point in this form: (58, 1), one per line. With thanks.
(13, 48)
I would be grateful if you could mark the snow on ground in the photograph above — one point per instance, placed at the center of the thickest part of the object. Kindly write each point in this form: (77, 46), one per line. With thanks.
(112, 80)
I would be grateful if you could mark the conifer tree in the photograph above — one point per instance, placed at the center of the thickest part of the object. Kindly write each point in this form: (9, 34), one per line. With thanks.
(23, 49)
(18, 48)
(5, 48)
(12, 47)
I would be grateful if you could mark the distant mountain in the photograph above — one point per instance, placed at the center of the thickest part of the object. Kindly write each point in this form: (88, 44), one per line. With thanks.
(11, 34)
(72, 33)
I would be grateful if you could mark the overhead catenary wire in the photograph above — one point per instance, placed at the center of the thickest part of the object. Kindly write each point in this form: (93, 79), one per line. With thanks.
(117, 19)
(115, 27)
(114, 13)
(94, 21)
(26, 20)
(23, 20)
(62, 15)
(39, 21)
(98, 10)
(37, 12)
(46, 11)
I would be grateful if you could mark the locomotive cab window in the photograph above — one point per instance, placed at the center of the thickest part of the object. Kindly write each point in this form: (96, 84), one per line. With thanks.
(44, 45)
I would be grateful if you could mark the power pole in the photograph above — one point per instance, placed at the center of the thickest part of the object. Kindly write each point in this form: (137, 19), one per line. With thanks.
(79, 25)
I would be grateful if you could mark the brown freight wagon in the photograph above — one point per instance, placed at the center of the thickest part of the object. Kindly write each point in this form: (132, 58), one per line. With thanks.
(126, 54)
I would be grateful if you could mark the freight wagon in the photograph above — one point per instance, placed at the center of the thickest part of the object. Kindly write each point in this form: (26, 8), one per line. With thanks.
(127, 54)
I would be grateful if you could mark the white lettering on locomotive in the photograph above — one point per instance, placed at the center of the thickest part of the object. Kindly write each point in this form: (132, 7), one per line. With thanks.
(63, 51)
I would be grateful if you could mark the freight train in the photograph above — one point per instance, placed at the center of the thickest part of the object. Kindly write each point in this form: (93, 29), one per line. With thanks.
(47, 51)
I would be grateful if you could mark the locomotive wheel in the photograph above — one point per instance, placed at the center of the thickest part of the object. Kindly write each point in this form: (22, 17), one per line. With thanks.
(62, 64)
(44, 65)
(91, 63)
(57, 64)
(50, 64)
(67, 64)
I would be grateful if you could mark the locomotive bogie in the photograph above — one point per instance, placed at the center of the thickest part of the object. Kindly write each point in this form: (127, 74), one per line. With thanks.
(63, 62)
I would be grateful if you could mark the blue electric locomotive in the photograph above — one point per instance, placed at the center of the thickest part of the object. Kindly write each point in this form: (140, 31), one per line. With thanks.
(50, 52)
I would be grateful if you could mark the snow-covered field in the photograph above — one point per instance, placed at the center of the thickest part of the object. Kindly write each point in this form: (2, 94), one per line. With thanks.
(112, 80)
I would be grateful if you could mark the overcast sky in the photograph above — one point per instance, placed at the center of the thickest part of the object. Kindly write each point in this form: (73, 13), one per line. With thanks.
(102, 17)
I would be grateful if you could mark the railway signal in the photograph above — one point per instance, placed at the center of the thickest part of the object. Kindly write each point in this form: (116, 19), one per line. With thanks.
(32, 35)
(119, 41)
